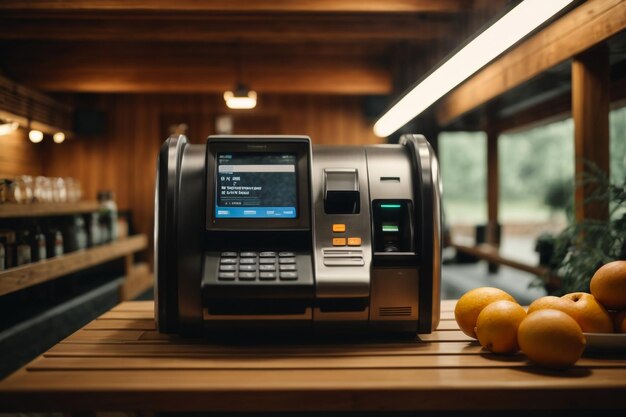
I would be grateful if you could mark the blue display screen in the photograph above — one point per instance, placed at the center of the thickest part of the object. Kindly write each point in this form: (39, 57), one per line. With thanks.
(256, 185)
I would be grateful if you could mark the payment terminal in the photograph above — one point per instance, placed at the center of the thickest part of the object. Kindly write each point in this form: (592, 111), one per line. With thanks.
(270, 232)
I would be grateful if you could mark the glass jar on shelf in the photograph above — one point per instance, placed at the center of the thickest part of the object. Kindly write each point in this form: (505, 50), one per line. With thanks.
(42, 192)
(5, 190)
(23, 189)
(74, 191)
(59, 190)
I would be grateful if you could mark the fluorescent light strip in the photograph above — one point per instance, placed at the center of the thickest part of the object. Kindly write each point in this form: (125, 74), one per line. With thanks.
(499, 37)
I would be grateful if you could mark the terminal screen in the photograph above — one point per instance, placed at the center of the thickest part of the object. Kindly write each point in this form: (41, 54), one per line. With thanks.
(256, 185)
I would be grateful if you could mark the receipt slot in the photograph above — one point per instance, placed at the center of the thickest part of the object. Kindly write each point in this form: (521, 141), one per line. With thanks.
(270, 233)
(341, 191)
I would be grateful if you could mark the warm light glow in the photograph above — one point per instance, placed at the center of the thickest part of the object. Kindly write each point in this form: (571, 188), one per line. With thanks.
(240, 101)
(58, 137)
(9, 127)
(499, 37)
(35, 136)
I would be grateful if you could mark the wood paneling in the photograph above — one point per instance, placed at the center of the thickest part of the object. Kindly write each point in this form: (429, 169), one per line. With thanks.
(18, 156)
(367, 6)
(589, 24)
(124, 160)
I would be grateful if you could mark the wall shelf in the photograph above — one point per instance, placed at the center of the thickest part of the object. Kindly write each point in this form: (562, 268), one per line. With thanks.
(15, 279)
(14, 210)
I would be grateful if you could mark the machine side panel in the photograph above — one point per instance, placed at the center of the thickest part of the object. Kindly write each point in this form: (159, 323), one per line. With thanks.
(190, 248)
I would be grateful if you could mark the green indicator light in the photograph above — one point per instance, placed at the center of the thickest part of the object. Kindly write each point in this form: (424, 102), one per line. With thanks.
(390, 228)
(390, 206)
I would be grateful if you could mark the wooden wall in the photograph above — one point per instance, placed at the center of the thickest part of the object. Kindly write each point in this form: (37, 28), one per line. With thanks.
(124, 159)
(18, 156)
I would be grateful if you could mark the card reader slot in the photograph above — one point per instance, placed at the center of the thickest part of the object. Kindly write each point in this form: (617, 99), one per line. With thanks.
(343, 257)
(342, 254)
(344, 262)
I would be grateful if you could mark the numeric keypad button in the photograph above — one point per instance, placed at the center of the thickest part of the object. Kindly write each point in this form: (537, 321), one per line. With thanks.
(247, 276)
(247, 268)
(227, 276)
(267, 276)
(288, 276)
(228, 267)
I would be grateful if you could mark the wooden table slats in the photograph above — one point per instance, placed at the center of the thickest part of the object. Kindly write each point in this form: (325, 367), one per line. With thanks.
(119, 362)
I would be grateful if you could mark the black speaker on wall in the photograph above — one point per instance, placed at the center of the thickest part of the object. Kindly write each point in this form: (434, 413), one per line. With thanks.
(88, 122)
(374, 106)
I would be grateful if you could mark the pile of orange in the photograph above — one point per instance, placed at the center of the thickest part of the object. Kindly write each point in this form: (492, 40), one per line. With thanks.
(550, 333)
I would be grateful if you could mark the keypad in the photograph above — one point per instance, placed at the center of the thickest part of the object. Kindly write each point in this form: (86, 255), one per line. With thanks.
(252, 266)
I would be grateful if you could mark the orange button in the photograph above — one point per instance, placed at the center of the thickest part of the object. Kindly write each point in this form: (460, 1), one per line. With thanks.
(354, 241)
(339, 228)
(339, 241)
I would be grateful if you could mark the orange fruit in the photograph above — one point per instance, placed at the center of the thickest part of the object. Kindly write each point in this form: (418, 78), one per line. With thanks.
(472, 303)
(620, 322)
(582, 307)
(608, 285)
(496, 326)
(551, 338)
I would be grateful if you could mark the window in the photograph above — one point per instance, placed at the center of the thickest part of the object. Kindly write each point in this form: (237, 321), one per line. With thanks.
(463, 159)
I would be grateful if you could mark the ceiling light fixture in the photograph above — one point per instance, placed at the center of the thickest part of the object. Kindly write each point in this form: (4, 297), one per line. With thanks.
(35, 136)
(241, 98)
(58, 137)
(504, 33)
(8, 127)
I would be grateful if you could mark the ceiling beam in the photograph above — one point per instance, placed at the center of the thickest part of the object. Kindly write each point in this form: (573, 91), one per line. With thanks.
(589, 24)
(304, 6)
(228, 28)
(140, 67)
(305, 80)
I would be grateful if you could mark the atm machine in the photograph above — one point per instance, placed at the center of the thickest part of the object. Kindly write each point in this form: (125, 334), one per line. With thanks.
(271, 233)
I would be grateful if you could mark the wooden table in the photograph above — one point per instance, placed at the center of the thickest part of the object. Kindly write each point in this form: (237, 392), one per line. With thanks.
(119, 362)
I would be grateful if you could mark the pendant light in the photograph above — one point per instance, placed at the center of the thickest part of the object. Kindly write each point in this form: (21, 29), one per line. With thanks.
(241, 97)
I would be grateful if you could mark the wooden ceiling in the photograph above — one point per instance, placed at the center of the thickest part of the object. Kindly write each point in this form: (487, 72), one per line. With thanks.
(282, 46)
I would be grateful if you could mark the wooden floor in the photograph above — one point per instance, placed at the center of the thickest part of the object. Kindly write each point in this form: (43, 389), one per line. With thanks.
(119, 362)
